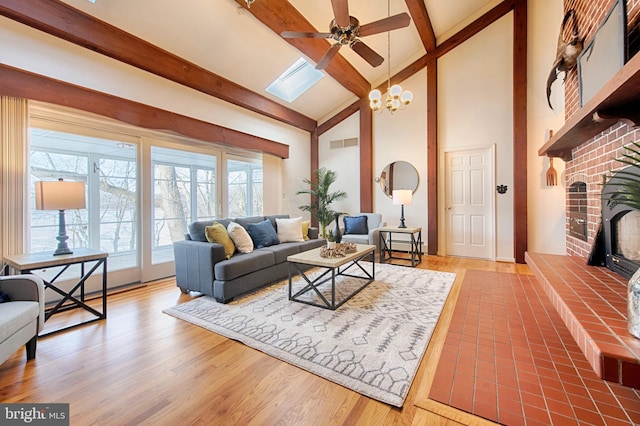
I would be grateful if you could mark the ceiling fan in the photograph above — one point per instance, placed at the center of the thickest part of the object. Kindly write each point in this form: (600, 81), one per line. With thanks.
(346, 30)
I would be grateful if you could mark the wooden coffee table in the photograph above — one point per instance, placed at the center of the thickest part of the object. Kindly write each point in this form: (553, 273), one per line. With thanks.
(334, 266)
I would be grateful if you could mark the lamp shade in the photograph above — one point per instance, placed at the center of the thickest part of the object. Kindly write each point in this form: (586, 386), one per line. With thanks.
(60, 195)
(402, 197)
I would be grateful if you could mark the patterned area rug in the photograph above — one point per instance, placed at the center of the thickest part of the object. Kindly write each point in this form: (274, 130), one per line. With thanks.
(373, 344)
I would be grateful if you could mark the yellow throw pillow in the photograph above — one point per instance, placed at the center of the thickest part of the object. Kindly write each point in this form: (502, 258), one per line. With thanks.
(305, 229)
(217, 233)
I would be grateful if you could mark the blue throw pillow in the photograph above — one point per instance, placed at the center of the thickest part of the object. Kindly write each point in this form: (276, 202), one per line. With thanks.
(355, 225)
(262, 234)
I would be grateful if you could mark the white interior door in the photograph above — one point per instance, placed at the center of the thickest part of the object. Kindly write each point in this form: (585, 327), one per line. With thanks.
(469, 204)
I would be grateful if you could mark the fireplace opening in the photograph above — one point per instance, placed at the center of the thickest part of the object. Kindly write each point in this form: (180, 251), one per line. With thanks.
(621, 229)
(578, 210)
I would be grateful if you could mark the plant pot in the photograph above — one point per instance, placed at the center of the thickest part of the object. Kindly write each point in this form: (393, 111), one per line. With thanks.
(633, 305)
(331, 244)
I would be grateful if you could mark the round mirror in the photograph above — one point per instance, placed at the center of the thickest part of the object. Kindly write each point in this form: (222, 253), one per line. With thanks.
(398, 175)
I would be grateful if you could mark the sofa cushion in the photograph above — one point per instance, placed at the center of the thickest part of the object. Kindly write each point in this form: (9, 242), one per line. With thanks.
(356, 238)
(243, 263)
(305, 229)
(196, 230)
(262, 234)
(245, 221)
(272, 218)
(240, 237)
(217, 233)
(15, 315)
(282, 251)
(311, 244)
(355, 225)
(289, 230)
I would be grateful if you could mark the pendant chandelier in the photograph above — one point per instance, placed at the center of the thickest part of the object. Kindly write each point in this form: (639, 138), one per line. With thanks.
(396, 97)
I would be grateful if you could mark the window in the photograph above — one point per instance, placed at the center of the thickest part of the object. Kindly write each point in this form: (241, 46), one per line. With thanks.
(143, 189)
(296, 80)
(184, 190)
(109, 170)
(244, 188)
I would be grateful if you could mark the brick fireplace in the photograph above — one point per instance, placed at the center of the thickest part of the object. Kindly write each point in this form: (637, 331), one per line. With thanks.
(591, 300)
(595, 157)
(591, 161)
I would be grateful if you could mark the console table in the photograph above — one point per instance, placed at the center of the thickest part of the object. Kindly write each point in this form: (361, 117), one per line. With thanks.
(386, 246)
(27, 263)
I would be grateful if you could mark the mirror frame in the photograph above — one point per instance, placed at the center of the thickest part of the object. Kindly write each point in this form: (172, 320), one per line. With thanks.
(405, 184)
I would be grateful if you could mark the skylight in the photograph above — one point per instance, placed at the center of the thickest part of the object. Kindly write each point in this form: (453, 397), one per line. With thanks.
(296, 80)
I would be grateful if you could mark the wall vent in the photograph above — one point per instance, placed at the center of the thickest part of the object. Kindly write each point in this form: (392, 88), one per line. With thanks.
(343, 143)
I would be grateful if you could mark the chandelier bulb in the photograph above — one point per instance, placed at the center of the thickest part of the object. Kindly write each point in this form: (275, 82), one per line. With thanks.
(375, 95)
(395, 90)
(406, 97)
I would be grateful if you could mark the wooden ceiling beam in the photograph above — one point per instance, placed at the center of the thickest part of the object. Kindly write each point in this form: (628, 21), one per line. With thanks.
(474, 28)
(451, 43)
(23, 84)
(61, 20)
(280, 15)
(420, 16)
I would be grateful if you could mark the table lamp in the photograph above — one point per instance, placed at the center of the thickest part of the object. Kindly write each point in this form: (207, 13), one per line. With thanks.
(60, 195)
(402, 197)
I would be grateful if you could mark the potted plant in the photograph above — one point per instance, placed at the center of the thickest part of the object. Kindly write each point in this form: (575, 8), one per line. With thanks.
(629, 181)
(628, 193)
(321, 198)
(331, 241)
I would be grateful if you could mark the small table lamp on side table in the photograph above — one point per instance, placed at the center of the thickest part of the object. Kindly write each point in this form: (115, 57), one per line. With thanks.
(60, 195)
(402, 197)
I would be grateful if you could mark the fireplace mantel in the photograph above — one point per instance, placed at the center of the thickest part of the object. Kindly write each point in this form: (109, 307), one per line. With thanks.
(618, 100)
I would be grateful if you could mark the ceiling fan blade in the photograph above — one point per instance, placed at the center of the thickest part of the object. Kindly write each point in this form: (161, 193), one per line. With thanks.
(341, 12)
(328, 56)
(302, 34)
(387, 24)
(367, 53)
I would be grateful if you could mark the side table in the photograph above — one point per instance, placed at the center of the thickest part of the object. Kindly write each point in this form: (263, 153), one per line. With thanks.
(386, 246)
(27, 263)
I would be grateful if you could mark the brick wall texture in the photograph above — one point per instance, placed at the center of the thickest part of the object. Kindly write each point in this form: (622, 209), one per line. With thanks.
(595, 157)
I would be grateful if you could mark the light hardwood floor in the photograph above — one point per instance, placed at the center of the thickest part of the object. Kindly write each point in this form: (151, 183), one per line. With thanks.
(141, 366)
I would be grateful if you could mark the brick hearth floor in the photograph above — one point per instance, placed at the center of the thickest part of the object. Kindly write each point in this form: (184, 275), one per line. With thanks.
(508, 357)
(592, 302)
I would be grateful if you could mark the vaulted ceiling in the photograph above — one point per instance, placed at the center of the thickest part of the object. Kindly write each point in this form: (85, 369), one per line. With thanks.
(243, 44)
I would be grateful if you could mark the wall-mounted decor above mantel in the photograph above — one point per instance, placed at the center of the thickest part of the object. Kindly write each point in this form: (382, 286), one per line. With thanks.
(616, 101)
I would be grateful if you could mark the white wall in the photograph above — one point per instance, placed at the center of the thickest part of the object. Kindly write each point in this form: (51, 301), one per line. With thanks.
(475, 110)
(402, 136)
(34, 51)
(344, 161)
(546, 204)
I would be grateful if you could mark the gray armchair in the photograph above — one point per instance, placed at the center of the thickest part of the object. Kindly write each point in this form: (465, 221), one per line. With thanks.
(374, 221)
(21, 318)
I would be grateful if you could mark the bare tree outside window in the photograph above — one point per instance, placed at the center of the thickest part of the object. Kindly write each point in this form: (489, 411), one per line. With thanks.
(109, 170)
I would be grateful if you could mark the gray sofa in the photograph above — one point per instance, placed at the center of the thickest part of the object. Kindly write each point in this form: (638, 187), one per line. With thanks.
(21, 318)
(202, 266)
